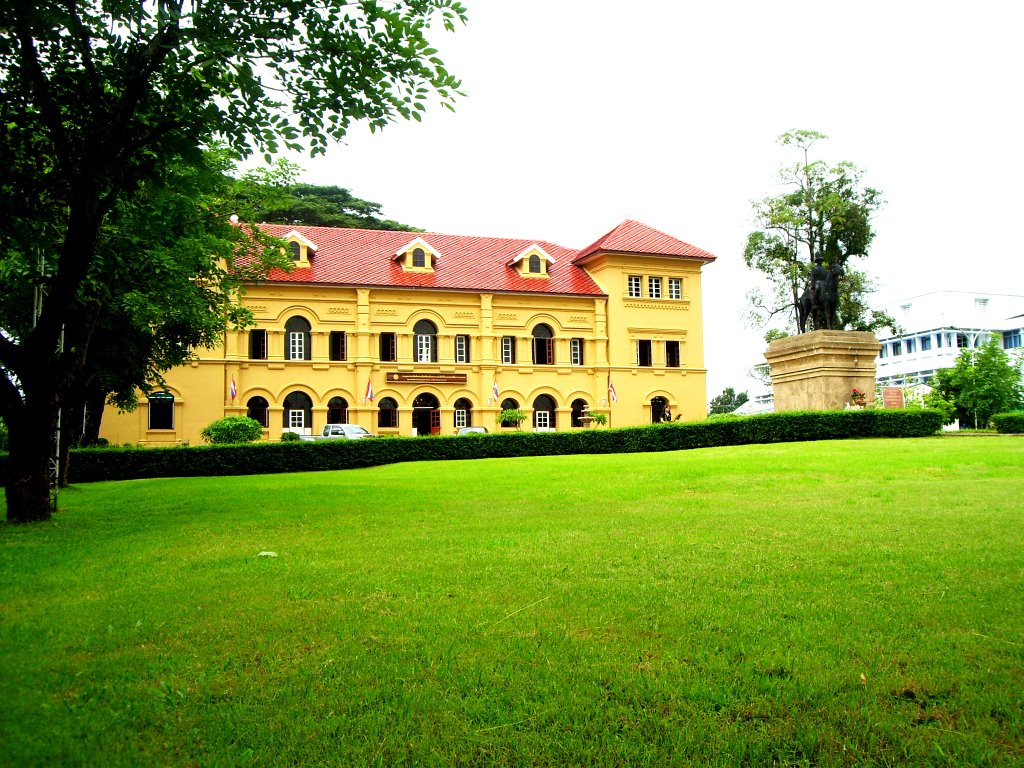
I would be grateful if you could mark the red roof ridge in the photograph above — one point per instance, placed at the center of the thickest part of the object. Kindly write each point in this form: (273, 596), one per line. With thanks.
(636, 237)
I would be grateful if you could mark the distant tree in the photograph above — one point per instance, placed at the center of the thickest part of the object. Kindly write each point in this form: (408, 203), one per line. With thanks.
(982, 382)
(728, 401)
(316, 206)
(99, 101)
(827, 215)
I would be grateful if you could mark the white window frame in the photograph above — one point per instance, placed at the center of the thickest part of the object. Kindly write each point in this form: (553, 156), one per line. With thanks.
(675, 288)
(542, 419)
(296, 418)
(461, 349)
(634, 286)
(424, 347)
(296, 345)
(461, 418)
(576, 351)
(654, 287)
(508, 350)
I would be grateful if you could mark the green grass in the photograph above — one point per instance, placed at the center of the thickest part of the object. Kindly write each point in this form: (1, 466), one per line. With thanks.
(836, 603)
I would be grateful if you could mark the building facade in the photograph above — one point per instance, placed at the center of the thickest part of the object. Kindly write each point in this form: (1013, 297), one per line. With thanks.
(936, 326)
(422, 333)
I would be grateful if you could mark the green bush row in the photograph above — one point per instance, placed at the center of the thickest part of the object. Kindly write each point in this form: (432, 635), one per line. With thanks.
(93, 464)
(1012, 423)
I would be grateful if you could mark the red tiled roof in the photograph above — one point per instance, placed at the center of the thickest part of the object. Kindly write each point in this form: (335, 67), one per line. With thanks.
(634, 237)
(367, 257)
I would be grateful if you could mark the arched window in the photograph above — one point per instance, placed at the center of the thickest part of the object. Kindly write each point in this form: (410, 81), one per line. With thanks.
(298, 411)
(463, 413)
(508, 404)
(543, 345)
(297, 346)
(161, 410)
(419, 258)
(425, 350)
(579, 407)
(296, 249)
(659, 410)
(259, 409)
(387, 413)
(337, 410)
(543, 412)
(535, 264)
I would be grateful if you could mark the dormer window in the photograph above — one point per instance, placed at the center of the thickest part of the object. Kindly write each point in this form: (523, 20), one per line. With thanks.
(533, 262)
(417, 256)
(300, 248)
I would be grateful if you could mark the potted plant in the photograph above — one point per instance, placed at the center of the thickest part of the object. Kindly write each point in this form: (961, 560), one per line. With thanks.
(858, 398)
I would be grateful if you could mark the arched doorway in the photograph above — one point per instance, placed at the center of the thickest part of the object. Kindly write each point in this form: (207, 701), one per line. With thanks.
(337, 410)
(463, 413)
(543, 413)
(659, 407)
(426, 414)
(298, 413)
(579, 407)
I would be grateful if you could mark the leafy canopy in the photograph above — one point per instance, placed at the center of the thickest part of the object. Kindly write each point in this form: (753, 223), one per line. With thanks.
(105, 108)
(727, 402)
(983, 382)
(826, 211)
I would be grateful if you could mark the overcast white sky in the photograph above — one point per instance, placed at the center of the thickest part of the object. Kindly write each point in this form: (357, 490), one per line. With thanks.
(582, 113)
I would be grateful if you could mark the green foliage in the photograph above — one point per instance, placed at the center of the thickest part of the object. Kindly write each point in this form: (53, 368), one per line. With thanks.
(727, 402)
(105, 198)
(600, 419)
(90, 465)
(311, 205)
(983, 381)
(827, 211)
(233, 429)
(290, 437)
(3, 436)
(514, 416)
(1009, 423)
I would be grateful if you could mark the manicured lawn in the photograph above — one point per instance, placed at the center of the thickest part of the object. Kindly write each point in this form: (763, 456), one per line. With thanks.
(838, 603)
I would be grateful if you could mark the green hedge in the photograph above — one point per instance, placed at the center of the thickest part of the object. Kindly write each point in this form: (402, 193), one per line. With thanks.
(93, 464)
(1012, 423)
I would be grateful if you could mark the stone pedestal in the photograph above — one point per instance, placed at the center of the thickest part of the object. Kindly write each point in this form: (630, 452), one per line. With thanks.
(818, 371)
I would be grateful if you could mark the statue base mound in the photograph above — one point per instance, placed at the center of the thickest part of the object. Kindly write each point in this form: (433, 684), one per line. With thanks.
(818, 371)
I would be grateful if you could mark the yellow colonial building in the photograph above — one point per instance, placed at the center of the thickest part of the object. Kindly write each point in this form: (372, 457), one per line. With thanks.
(422, 333)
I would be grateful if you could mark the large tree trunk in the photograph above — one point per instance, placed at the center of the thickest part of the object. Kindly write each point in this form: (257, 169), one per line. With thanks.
(31, 432)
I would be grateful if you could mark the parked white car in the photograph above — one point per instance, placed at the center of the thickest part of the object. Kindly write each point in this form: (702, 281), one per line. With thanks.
(342, 432)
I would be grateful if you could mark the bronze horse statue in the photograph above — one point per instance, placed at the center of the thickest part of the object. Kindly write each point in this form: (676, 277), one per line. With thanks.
(820, 300)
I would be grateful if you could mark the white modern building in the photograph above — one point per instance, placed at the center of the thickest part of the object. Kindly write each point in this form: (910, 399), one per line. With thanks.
(936, 326)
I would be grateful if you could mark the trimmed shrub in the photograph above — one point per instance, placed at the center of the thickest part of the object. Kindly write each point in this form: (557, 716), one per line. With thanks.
(93, 464)
(233, 429)
(1009, 423)
(290, 437)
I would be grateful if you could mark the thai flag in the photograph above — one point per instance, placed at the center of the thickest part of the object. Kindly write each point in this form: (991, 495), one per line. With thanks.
(494, 390)
(369, 390)
(611, 391)
(234, 389)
